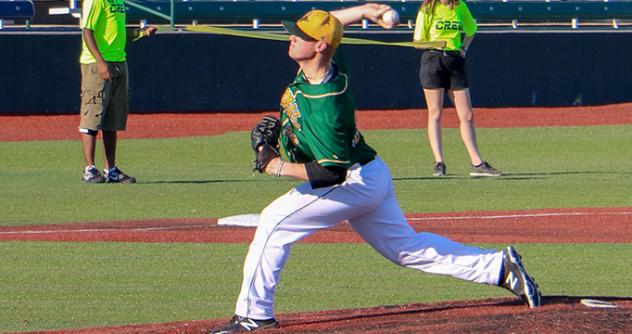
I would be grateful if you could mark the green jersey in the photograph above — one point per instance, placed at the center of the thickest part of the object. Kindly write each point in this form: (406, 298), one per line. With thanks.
(319, 121)
(445, 24)
(106, 18)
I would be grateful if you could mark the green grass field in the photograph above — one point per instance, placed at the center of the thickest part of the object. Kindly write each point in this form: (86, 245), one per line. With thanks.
(54, 285)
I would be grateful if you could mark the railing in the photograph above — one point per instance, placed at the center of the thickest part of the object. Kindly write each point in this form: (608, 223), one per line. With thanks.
(514, 14)
(142, 7)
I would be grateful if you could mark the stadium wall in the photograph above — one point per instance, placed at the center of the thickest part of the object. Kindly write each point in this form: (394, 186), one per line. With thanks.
(190, 72)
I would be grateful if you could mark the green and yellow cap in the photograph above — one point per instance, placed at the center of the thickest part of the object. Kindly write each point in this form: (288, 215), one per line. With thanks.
(317, 25)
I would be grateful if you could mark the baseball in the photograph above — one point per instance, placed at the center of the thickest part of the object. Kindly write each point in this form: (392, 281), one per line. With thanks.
(391, 17)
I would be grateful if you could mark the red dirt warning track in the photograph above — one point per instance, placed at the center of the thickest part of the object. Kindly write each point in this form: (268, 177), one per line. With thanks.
(21, 128)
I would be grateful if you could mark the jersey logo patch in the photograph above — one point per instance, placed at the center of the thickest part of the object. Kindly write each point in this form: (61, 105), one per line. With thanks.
(290, 108)
(289, 133)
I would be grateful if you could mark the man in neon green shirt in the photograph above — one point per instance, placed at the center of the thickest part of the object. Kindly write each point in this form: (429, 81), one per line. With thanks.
(444, 70)
(104, 85)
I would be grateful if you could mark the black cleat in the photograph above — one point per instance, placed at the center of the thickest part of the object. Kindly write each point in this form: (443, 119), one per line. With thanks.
(240, 324)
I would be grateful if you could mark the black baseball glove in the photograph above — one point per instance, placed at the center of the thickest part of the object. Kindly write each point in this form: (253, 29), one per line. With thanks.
(264, 139)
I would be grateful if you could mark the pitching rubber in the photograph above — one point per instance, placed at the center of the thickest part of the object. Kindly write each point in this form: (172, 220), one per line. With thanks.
(598, 303)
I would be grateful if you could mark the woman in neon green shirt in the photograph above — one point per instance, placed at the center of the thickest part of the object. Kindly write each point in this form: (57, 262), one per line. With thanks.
(444, 70)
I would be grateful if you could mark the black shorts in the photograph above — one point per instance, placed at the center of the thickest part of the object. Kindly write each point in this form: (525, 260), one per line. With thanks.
(442, 69)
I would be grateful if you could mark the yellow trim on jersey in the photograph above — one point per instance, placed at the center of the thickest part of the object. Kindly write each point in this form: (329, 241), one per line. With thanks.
(298, 91)
(334, 161)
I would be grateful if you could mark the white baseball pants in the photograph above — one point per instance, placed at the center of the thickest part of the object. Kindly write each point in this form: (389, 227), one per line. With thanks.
(367, 200)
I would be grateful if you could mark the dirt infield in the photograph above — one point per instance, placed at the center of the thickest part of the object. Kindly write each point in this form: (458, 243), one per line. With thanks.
(584, 225)
(559, 314)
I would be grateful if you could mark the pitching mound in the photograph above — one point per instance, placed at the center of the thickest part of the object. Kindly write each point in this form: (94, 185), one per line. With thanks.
(559, 314)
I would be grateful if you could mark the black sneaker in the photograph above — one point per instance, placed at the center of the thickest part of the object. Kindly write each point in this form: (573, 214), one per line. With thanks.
(92, 175)
(517, 281)
(485, 169)
(439, 169)
(114, 175)
(240, 324)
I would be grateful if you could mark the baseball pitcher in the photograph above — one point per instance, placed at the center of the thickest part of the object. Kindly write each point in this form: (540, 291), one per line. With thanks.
(344, 178)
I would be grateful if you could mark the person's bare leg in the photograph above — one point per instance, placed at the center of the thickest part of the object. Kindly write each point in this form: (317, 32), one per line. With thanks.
(434, 102)
(461, 100)
(109, 148)
(88, 143)
(90, 173)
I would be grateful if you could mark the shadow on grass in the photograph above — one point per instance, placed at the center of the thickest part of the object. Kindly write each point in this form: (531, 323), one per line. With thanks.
(505, 177)
(208, 181)
(623, 173)
(512, 176)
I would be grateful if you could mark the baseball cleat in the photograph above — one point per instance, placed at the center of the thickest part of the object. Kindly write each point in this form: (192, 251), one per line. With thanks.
(92, 175)
(485, 169)
(239, 324)
(516, 279)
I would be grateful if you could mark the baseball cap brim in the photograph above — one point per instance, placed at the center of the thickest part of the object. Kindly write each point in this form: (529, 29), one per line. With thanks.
(293, 29)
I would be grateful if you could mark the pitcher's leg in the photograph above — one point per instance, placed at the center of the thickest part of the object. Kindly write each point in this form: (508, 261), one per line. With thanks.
(295, 215)
(439, 255)
(387, 231)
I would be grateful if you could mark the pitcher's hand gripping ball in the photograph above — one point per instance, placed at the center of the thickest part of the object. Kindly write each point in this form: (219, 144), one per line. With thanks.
(264, 139)
(391, 17)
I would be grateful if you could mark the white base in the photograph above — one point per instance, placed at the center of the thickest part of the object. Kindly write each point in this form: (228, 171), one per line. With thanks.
(246, 220)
